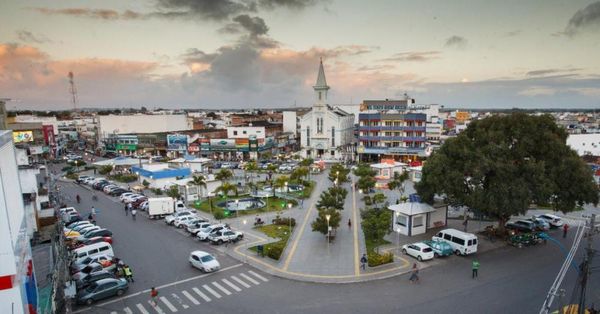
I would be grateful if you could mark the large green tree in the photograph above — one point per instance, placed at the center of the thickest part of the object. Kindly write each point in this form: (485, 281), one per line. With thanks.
(320, 223)
(200, 182)
(500, 165)
(376, 223)
(224, 175)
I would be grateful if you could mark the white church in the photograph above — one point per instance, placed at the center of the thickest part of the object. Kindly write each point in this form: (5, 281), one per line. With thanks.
(326, 132)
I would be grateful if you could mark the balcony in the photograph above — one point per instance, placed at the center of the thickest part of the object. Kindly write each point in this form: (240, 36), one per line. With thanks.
(395, 150)
(393, 138)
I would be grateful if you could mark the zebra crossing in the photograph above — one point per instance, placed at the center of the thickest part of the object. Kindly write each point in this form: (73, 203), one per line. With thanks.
(197, 295)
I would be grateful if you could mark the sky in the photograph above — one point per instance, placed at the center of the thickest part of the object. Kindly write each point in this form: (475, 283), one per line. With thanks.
(242, 54)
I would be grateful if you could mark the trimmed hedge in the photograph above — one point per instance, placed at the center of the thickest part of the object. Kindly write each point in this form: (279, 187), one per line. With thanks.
(376, 259)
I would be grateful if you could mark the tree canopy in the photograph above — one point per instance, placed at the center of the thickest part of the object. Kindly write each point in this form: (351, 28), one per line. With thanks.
(320, 223)
(501, 164)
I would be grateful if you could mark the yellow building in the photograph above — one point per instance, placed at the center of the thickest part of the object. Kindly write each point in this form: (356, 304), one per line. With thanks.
(462, 116)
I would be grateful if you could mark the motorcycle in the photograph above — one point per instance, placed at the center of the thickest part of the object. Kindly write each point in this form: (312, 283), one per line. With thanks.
(259, 222)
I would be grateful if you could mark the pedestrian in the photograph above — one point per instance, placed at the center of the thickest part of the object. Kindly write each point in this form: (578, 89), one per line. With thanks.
(363, 261)
(465, 223)
(126, 209)
(565, 229)
(414, 275)
(92, 218)
(475, 267)
(133, 213)
(128, 273)
(349, 223)
(78, 199)
(153, 296)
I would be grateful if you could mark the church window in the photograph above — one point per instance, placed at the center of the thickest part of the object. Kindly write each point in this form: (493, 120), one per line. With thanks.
(308, 136)
(319, 95)
(333, 136)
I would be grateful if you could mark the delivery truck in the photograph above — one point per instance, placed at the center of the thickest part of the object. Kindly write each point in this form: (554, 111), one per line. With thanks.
(159, 207)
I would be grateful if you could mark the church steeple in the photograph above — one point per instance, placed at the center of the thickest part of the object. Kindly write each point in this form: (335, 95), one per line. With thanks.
(321, 87)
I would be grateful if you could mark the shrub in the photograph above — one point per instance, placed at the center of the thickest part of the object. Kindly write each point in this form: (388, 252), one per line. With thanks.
(157, 191)
(89, 168)
(376, 259)
(284, 221)
(219, 214)
(79, 163)
(71, 175)
(274, 251)
(145, 183)
(67, 169)
(104, 170)
(125, 177)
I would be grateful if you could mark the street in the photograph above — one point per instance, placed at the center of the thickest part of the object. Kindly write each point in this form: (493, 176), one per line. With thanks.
(511, 280)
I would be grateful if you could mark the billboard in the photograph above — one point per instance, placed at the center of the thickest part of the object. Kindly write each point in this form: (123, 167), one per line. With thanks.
(48, 131)
(222, 144)
(22, 136)
(177, 142)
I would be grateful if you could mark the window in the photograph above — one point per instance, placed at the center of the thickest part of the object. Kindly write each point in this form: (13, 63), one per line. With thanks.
(447, 237)
(474, 241)
(234, 132)
(332, 153)
(319, 95)
(104, 248)
(458, 241)
(308, 136)
(401, 220)
(244, 132)
(332, 137)
(418, 221)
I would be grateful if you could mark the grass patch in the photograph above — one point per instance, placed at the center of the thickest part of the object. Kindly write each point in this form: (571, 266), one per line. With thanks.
(373, 256)
(275, 249)
(274, 204)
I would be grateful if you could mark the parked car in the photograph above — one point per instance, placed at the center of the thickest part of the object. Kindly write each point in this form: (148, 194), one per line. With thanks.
(194, 221)
(102, 289)
(127, 197)
(76, 224)
(553, 220)
(171, 218)
(77, 244)
(77, 266)
(107, 188)
(196, 227)
(124, 195)
(93, 277)
(222, 236)
(81, 178)
(521, 226)
(540, 224)
(118, 192)
(204, 261)
(94, 234)
(440, 248)
(204, 233)
(419, 250)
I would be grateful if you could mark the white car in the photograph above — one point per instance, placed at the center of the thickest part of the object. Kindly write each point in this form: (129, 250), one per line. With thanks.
(124, 195)
(130, 198)
(195, 228)
(194, 221)
(67, 210)
(109, 187)
(171, 218)
(204, 233)
(204, 261)
(180, 222)
(553, 220)
(419, 250)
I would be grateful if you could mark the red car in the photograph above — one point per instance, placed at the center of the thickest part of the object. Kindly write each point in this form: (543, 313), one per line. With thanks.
(92, 241)
(138, 202)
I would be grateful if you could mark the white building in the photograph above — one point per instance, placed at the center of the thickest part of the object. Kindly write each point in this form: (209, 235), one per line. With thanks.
(246, 132)
(290, 122)
(17, 279)
(142, 123)
(325, 132)
(585, 144)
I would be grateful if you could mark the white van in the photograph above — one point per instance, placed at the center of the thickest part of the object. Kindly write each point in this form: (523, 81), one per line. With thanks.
(92, 250)
(462, 243)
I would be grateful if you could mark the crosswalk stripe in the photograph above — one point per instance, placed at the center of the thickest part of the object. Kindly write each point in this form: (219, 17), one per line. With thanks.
(127, 310)
(156, 307)
(213, 292)
(190, 297)
(113, 312)
(250, 279)
(258, 276)
(185, 306)
(168, 304)
(216, 284)
(240, 281)
(201, 294)
(227, 282)
(141, 308)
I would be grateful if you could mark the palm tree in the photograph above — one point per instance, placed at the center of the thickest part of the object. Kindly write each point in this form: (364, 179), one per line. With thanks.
(307, 162)
(199, 181)
(224, 175)
(280, 182)
(251, 167)
(397, 182)
(226, 188)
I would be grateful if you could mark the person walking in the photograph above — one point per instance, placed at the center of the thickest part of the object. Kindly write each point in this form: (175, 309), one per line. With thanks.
(78, 199)
(128, 273)
(475, 268)
(349, 223)
(414, 276)
(153, 296)
(133, 213)
(126, 209)
(466, 223)
(363, 261)
(565, 229)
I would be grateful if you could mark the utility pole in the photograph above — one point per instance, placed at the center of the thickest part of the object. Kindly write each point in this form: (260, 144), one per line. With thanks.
(587, 261)
(73, 90)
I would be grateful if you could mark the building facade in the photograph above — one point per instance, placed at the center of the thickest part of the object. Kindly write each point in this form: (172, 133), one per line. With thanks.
(326, 132)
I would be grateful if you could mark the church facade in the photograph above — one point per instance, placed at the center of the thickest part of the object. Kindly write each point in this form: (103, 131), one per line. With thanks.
(326, 132)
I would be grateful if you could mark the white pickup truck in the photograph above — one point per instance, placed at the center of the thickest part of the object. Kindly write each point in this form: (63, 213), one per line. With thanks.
(225, 235)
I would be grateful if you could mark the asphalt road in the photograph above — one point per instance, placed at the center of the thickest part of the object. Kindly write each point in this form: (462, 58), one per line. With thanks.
(511, 280)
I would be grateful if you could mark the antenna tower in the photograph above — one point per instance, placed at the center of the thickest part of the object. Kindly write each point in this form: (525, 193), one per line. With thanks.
(73, 90)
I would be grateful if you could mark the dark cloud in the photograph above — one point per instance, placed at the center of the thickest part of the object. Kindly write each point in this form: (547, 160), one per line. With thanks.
(291, 4)
(413, 56)
(544, 72)
(208, 9)
(456, 41)
(104, 14)
(255, 26)
(30, 38)
(513, 33)
(587, 18)
(195, 55)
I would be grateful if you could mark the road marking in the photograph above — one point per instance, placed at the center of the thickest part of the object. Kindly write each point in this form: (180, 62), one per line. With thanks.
(113, 312)
(201, 294)
(156, 307)
(168, 304)
(250, 279)
(259, 276)
(159, 287)
(234, 287)
(141, 308)
(213, 292)
(216, 284)
(355, 232)
(240, 281)
(185, 306)
(127, 310)
(190, 297)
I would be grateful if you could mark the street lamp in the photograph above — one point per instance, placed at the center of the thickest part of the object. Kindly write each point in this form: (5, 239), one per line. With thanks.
(287, 190)
(237, 207)
(327, 217)
(398, 230)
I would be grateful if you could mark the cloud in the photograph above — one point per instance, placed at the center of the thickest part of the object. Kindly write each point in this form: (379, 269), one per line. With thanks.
(551, 71)
(29, 37)
(413, 56)
(207, 9)
(537, 91)
(587, 18)
(456, 41)
(291, 4)
(513, 33)
(104, 14)
(255, 26)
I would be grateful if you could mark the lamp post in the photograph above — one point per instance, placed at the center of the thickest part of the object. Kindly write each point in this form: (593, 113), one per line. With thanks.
(290, 218)
(244, 247)
(76, 168)
(237, 207)
(327, 217)
(398, 230)
(287, 190)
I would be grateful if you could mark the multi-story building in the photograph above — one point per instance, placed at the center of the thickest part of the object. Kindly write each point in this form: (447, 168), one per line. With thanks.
(141, 123)
(18, 292)
(387, 130)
